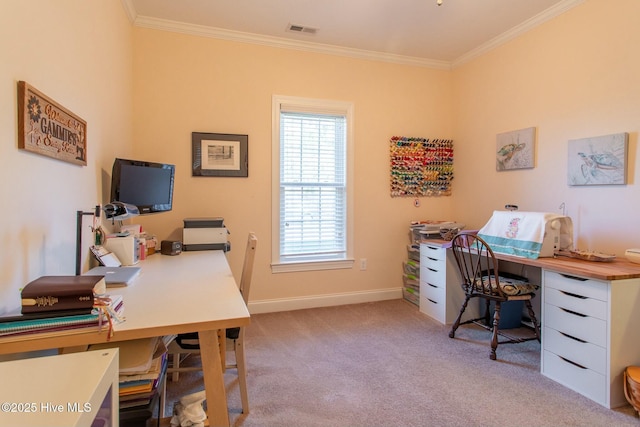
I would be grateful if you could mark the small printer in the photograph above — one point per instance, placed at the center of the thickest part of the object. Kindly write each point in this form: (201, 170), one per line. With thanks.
(201, 234)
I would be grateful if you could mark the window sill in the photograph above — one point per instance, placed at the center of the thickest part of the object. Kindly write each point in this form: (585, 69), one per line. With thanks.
(291, 267)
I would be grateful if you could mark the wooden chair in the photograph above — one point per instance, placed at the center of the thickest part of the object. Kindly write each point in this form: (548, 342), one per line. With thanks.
(186, 344)
(482, 279)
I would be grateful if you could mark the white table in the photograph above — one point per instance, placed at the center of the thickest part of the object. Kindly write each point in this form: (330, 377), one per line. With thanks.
(81, 388)
(190, 292)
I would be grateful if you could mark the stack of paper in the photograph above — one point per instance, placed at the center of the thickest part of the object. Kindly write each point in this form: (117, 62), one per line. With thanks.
(143, 363)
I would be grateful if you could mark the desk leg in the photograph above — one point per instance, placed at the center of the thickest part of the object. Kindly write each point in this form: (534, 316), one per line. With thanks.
(218, 412)
(222, 340)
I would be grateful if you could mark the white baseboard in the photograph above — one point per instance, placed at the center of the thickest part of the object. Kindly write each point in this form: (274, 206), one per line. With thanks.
(314, 301)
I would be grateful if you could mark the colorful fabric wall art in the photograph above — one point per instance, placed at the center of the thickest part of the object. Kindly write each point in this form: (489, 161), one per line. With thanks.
(421, 166)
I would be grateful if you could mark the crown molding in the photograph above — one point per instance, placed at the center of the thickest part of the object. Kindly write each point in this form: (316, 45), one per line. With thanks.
(130, 10)
(238, 36)
(516, 31)
(278, 42)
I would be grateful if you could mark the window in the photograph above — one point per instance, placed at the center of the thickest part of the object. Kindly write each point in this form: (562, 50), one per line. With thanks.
(312, 184)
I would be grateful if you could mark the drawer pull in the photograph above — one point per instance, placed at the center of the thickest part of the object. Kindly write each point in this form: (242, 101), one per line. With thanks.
(435, 302)
(581, 279)
(573, 312)
(429, 268)
(433, 286)
(432, 259)
(573, 363)
(574, 295)
(572, 337)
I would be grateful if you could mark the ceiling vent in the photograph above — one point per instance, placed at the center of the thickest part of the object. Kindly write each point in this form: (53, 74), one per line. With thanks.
(301, 29)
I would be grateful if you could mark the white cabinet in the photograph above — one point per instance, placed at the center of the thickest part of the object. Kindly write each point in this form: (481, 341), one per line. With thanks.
(590, 334)
(441, 295)
(77, 389)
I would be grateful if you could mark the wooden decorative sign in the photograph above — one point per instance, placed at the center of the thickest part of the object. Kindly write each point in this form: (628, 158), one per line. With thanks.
(45, 127)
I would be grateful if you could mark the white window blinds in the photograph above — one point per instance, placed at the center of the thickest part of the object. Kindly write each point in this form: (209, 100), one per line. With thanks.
(313, 189)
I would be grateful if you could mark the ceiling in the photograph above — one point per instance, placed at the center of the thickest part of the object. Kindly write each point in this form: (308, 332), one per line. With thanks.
(415, 31)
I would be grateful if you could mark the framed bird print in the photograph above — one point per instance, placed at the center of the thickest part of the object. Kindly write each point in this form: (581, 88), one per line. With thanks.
(600, 160)
(515, 149)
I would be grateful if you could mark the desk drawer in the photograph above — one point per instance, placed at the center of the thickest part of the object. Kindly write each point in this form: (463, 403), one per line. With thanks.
(432, 308)
(428, 252)
(583, 353)
(433, 291)
(589, 288)
(585, 381)
(586, 328)
(576, 303)
(436, 275)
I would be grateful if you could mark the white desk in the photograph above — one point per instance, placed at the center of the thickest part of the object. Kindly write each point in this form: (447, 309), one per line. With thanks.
(190, 292)
(589, 320)
(81, 388)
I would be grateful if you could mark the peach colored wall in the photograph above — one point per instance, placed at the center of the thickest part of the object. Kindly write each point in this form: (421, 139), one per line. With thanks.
(185, 83)
(79, 54)
(573, 77)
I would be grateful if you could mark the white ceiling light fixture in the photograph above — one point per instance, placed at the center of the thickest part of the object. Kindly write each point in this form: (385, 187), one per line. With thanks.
(439, 2)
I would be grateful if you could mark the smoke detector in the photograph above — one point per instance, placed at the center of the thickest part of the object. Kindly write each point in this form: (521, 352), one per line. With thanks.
(293, 28)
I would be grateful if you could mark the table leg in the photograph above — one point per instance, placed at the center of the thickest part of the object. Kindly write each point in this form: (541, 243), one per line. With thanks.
(222, 340)
(217, 410)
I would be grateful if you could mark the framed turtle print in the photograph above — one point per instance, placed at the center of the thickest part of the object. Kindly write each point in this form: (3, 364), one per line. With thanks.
(600, 160)
(515, 149)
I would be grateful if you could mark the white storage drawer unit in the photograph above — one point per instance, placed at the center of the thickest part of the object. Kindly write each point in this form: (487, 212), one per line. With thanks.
(441, 295)
(590, 334)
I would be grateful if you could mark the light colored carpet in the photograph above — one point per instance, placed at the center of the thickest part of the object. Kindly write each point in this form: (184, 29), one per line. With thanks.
(386, 364)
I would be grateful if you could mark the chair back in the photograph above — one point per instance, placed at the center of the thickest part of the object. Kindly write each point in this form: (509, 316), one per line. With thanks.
(247, 267)
(478, 266)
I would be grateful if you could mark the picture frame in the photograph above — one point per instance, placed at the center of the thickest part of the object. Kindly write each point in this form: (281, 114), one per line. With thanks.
(516, 149)
(420, 167)
(600, 160)
(219, 154)
(49, 129)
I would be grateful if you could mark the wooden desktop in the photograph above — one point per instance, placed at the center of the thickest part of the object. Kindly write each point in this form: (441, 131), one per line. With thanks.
(190, 292)
(589, 321)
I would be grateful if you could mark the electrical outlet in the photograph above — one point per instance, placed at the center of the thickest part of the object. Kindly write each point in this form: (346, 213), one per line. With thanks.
(363, 264)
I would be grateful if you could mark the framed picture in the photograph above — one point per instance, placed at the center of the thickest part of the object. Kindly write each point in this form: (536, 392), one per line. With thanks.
(47, 128)
(600, 160)
(219, 154)
(515, 149)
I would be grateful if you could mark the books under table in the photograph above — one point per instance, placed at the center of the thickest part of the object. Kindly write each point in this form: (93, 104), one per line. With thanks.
(107, 311)
(140, 392)
(143, 364)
